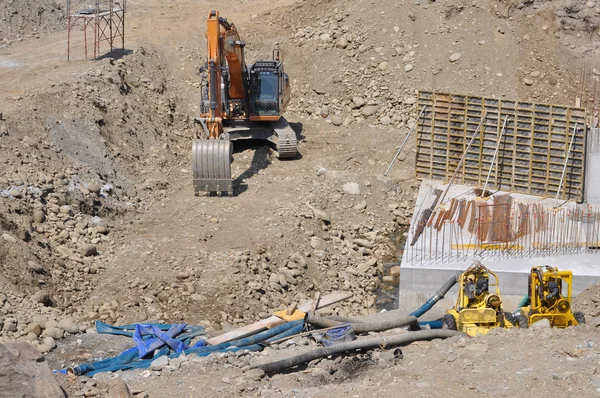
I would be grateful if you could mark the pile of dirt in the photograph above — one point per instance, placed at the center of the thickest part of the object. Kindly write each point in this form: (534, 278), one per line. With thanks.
(67, 154)
(21, 19)
(579, 18)
(98, 218)
(365, 62)
(24, 373)
(588, 301)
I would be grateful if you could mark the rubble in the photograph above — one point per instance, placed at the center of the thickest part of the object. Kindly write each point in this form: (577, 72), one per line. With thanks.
(25, 373)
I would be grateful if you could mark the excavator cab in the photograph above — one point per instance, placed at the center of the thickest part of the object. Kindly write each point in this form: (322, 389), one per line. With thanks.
(269, 90)
(264, 90)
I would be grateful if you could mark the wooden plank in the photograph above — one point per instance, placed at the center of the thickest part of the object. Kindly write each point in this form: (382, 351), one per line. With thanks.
(292, 308)
(262, 325)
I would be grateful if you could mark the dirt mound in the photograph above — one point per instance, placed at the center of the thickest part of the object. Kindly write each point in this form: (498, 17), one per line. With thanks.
(27, 18)
(588, 301)
(576, 17)
(366, 62)
(68, 176)
(98, 216)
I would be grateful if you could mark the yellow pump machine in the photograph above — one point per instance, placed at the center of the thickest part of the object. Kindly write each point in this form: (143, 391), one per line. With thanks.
(550, 297)
(479, 310)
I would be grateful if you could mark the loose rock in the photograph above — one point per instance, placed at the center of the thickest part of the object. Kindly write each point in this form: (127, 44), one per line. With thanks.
(455, 57)
(352, 188)
(42, 297)
(25, 373)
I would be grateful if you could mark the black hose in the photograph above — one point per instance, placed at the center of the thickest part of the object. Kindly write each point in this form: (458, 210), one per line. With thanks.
(362, 327)
(224, 23)
(541, 281)
(553, 290)
(383, 342)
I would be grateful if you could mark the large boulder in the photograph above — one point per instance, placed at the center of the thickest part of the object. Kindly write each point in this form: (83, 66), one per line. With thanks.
(25, 373)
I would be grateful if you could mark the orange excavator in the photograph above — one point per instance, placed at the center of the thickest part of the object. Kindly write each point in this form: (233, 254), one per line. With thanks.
(237, 102)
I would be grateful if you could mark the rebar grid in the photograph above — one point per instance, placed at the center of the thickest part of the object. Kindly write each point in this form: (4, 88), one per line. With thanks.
(474, 230)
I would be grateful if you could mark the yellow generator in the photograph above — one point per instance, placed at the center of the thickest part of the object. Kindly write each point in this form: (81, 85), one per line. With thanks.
(477, 310)
(550, 298)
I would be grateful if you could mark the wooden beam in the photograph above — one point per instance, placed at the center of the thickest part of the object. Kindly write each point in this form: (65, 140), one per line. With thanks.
(262, 325)
(292, 308)
(315, 303)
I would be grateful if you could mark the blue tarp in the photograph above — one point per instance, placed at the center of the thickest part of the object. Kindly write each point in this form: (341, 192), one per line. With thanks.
(156, 340)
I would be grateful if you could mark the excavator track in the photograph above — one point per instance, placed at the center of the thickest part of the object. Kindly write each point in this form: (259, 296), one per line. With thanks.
(287, 141)
(211, 165)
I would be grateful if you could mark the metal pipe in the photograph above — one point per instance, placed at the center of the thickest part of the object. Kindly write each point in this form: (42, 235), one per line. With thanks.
(566, 163)
(494, 158)
(405, 141)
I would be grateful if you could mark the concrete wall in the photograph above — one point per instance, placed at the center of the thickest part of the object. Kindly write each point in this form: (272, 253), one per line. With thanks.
(592, 167)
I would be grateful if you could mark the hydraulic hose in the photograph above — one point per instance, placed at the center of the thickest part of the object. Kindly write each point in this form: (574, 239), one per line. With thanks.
(437, 297)
(213, 85)
(363, 327)
(540, 291)
(432, 324)
(383, 342)
(525, 301)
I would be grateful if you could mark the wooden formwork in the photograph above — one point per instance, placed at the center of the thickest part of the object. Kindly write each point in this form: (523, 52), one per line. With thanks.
(532, 152)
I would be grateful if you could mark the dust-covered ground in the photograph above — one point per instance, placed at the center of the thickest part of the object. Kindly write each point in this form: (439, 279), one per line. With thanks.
(97, 214)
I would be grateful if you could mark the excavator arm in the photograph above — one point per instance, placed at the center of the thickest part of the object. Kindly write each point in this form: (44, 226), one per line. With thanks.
(214, 119)
(226, 64)
(233, 49)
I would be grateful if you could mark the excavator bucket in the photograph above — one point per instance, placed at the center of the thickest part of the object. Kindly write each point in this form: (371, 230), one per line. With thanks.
(211, 165)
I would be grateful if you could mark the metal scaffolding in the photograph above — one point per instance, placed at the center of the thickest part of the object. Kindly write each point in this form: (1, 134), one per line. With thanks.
(107, 18)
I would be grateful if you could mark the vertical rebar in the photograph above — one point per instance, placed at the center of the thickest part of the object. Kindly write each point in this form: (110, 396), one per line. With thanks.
(443, 239)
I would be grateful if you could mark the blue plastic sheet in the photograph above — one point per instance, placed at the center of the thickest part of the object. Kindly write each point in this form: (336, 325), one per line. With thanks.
(338, 335)
(162, 338)
(156, 340)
